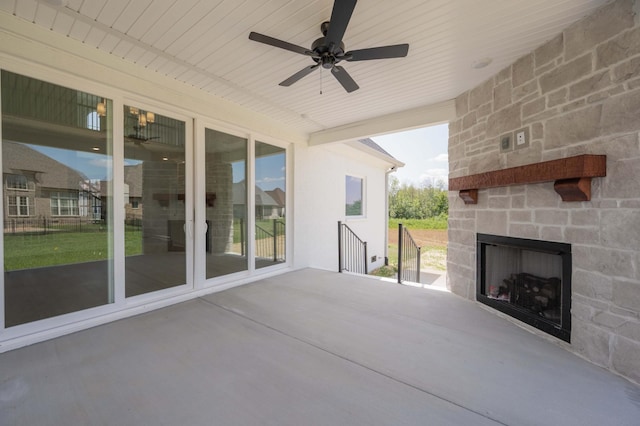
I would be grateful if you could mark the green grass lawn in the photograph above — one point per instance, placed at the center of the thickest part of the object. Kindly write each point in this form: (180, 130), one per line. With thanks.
(439, 222)
(22, 251)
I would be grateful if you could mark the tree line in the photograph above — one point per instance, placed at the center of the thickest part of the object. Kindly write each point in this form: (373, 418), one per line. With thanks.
(409, 202)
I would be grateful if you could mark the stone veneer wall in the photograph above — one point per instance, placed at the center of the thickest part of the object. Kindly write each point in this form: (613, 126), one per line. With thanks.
(579, 93)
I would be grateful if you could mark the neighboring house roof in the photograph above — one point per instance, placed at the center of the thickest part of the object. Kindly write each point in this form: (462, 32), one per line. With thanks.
(262, 198)
(369, 146)
(133, 178)
(278, 196)
(18, 158)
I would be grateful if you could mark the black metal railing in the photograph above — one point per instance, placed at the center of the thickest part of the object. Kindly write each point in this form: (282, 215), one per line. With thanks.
(408, 257)
(270, 243)
(47, 225)
(352, 251)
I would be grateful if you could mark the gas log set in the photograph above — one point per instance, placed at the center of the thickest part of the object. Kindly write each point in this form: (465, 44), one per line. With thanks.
(536, 294)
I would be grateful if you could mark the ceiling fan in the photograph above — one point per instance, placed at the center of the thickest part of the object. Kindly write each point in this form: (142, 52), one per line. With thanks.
(329, 50)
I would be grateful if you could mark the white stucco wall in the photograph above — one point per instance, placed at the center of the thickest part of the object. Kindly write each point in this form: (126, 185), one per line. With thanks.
(322, 190)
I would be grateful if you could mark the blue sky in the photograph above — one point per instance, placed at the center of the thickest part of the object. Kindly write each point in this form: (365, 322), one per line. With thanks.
(424, 152)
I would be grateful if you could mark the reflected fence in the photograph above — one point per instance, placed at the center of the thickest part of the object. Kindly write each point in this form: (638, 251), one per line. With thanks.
(270, 240)
(44, 225)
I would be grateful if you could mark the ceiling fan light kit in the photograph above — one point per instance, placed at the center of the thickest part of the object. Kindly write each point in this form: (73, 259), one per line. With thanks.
(329, 50)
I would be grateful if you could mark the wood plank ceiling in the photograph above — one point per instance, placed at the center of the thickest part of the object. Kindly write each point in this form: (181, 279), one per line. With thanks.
(204, 43)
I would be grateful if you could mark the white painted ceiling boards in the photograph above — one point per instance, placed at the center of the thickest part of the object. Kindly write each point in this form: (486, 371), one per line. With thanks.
(204, 43)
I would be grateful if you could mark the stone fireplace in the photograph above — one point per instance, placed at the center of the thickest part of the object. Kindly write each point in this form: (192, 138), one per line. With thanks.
(577, 95)
(527, 279)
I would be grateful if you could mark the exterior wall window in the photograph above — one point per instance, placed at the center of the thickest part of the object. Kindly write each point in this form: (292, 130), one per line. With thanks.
(18, 205)
(354, 205)
(17, 182)
(64, 204)
(135, 204)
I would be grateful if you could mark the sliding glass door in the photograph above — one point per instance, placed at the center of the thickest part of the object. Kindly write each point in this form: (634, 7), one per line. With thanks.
(57, 184)
(270, 205)
(225, 203)
(157, 230)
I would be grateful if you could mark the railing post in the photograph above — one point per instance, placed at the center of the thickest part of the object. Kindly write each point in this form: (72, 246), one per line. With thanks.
(418, 266)
(275, 242)
(241, 237)
(339, 246)
(366, 267)
(400, 253)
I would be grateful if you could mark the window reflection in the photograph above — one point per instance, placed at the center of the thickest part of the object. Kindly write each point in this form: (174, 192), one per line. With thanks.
(225, 203)
(154, 178)
(270, 205)
(56, 163)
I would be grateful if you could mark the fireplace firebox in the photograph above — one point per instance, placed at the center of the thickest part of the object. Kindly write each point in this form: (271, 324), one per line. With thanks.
(529, 280)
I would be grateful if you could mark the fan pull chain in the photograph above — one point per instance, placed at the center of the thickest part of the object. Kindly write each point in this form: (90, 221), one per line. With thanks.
(321, 80)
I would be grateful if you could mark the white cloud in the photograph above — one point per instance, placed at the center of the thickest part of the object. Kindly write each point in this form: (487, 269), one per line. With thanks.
(442, 158)
(101, 162)
(270, 179)
(431, 177)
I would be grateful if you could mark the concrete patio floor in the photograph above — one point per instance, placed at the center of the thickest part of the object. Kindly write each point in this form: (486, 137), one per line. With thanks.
(308, 348)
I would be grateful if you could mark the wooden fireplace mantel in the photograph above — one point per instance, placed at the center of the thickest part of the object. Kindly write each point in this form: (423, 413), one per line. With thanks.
(571, 176)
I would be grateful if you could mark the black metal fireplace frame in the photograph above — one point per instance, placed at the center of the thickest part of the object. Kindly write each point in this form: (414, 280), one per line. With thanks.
(562, 330)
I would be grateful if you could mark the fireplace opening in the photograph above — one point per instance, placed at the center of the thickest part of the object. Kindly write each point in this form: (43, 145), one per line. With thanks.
(529, 280)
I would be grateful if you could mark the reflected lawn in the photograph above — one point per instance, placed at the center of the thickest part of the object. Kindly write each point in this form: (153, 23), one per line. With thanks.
(23, 251)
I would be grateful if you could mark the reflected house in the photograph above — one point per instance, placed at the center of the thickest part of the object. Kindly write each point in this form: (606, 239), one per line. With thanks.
(266, 206)
(133, 192)
(39, 188)
(279, 197)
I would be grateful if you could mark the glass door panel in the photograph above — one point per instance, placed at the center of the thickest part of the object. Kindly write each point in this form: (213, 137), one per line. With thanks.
(156, 235)
(57, 186)
(270, 205)
(225, 203)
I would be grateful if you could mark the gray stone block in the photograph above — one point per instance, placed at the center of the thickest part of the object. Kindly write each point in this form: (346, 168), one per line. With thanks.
(619, 49)
(519, 230)
(492, 222)
(628, 70)
(598, 27)
(534, 107)
(481, 94)
(552, 217)
(585, 217)
(541, 195)
(613, 263)
(626, 294)
(507, 119)
(590, 85)
(522, 70)
(502, 95)
(592, 284)
(462, 104)
(623, 179)
(552, 233)
(582, 235)
(625, 358)
(620, 113)
(576, 126)
(609, 320)
(621, 228)
(591, 342)
(630, 330)
(549, 51)
(557, 98)
(566, 74)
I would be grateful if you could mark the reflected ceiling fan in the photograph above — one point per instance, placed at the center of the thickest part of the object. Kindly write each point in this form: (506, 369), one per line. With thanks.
(329, 50)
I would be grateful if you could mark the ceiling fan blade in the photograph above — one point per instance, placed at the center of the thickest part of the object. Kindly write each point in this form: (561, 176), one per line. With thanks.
(344, 78)
(340, 17)
(297, 76)
(261, 38)
(383, 52)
